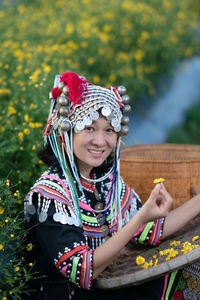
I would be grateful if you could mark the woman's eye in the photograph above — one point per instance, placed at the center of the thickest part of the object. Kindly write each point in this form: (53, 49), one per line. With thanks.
(110, 130)
(88, 128)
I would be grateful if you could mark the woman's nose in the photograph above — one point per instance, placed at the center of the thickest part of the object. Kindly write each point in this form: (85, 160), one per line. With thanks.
(99, 139)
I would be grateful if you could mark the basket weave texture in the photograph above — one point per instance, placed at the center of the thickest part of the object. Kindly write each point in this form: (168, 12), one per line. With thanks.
(178, 164)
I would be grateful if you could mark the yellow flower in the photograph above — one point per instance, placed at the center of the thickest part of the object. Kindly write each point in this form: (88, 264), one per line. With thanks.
(145, 265)
(30, 264)
(1, 210)
(195, 238)
(29, 247)
(91, 61)
(4, 298)
(1, 247)
(4, 92)
(139, 54)
(35, 124)
(156, 262)
(11, 111)
(175, 243)
(21, 135)
(7, 182)
(140, 260)
(158, 180)
(17, 269)
(12, 235)
(69, 28)
(33, 148)
(47, 69)
(27, 131)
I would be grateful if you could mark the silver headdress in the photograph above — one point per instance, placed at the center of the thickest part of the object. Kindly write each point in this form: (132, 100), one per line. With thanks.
(81, 111)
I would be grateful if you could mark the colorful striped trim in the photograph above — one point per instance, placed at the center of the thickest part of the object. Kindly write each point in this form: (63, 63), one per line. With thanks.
(93, 231)
(170, 283)
(127, 200)
(156, 232)
(74, 269)
(144, 234)
(86, 270)
(69, 254)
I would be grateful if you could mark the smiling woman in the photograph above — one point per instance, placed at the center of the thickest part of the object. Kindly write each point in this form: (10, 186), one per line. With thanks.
(80, 213)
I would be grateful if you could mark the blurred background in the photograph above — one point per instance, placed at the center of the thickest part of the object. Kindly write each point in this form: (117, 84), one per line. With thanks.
(151, 47)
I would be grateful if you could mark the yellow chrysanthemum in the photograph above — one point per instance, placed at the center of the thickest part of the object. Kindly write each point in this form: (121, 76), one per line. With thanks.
(158, 180)
(195, 238)
(1, 210)
(140, 260)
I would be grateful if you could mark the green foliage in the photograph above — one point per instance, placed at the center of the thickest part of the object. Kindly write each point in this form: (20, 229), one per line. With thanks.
(14, 271)
(187, 133)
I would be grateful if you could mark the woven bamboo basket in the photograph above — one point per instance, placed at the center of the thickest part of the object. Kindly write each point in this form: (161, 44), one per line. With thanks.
(178, 164)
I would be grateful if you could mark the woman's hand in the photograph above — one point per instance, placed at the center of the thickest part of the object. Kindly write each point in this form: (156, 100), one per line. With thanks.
(157, 205)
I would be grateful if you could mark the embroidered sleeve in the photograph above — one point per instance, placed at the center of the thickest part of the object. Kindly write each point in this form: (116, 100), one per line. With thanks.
(66, 248)
(149, 234)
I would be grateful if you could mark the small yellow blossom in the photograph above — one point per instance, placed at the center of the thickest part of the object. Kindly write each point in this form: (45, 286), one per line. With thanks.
(4, 298)
(156, 262)
(33, 148)
(30, 264)
(17, 269)
(140, 260)
(1, 247)
(29, 247)
(195, 238)
(145, 265)
(4, 92)
(21, 135)
(8, 182)
(12, 235)
(27, 131)
(1, 210)
(175, 243)
(158, 180)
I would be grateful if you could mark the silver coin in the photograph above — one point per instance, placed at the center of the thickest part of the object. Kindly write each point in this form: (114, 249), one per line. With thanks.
(94, 115)
(63, 219)
(117, 128)
(56, 217)
(30, 209)
(42, 216)
(106, 111)
(87, 121)
(115, 122)
(69, 220)
(80, 125)
(111, 115)
(76, 130)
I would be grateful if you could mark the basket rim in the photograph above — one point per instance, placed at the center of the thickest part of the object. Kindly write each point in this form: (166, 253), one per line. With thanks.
(156, 147)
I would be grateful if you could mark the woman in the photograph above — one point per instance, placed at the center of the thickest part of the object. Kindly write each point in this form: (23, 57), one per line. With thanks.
(80, 213)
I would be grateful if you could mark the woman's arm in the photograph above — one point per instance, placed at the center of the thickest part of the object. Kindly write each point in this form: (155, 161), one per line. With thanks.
(181, 215)
(155, 207)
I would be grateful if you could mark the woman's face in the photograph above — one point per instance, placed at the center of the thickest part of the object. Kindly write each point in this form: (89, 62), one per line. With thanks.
(93, 145)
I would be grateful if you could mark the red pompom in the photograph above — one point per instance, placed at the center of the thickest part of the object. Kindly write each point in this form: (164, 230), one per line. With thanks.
(76, 87)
